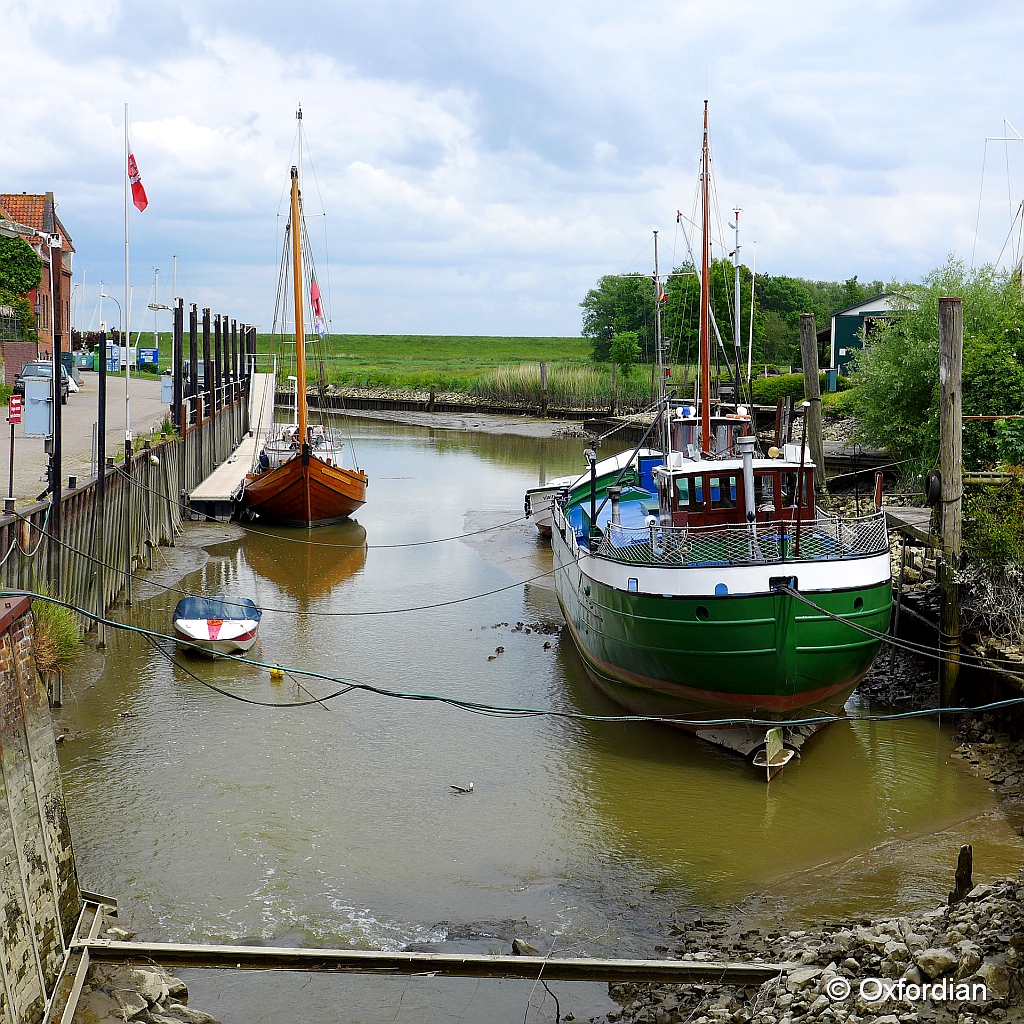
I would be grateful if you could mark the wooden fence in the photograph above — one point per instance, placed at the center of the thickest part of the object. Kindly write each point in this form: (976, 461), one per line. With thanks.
(91, 564)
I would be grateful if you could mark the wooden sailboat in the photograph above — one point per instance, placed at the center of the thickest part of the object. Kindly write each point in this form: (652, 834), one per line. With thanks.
(298, 479)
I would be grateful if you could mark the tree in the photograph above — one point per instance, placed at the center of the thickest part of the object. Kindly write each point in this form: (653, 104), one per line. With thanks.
(898, 370)
(20, 268)
(618, 304)
(625, 351)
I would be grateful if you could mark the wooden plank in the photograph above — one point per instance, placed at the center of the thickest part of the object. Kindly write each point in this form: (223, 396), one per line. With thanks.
(453, 965)
(913, 521)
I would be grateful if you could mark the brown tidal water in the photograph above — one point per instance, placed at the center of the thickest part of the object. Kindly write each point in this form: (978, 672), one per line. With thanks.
(213, 820)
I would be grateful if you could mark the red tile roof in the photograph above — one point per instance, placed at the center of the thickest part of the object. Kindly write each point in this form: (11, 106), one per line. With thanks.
(25, 209)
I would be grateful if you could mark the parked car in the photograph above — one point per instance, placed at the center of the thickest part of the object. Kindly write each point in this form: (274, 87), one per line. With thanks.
(42, 368)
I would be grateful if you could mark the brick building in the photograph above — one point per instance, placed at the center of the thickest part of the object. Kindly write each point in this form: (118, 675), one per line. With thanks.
(21, 211)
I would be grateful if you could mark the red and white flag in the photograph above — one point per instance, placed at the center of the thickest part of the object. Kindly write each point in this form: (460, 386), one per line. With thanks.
(138, 191)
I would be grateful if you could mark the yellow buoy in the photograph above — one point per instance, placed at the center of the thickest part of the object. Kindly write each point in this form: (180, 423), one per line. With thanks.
(277, 674)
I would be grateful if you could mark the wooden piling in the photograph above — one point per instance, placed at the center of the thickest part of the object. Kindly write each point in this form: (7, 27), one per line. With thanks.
(812, 394)
(177, 359)
(951, 348)
(543, 389)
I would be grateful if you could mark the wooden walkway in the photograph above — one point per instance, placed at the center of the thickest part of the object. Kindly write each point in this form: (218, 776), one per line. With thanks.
(912, 520)
(224, 481)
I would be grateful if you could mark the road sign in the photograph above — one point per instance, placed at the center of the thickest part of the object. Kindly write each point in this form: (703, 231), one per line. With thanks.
(14, 409)
(149, 356)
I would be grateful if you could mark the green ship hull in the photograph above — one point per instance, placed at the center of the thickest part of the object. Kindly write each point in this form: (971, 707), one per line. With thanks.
(759, 654)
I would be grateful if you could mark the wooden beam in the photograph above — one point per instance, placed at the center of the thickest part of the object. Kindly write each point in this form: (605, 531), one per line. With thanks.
(951, 352)
(453, 965)
(812, 393)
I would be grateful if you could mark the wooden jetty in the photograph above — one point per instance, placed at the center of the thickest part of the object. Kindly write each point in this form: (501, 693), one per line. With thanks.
(216, 494)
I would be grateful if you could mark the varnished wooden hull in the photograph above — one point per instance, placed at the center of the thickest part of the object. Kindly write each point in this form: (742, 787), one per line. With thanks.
(305, 492)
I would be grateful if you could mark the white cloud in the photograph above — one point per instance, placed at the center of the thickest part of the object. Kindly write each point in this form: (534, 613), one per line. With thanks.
(481, 165)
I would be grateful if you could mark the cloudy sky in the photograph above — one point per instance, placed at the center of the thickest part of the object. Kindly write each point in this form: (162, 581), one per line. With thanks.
(480, 164)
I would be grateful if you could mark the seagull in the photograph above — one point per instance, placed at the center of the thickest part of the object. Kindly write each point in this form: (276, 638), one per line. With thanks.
(459, 790)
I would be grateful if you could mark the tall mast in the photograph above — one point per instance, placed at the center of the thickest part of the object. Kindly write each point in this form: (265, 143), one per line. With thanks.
(705, 295)
(737, 340)
(300, 324)
(657, 343)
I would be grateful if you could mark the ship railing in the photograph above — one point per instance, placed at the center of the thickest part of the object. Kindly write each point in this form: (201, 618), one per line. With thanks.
(825, 538)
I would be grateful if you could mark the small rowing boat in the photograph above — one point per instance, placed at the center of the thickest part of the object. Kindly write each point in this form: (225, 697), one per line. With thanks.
(217, 625)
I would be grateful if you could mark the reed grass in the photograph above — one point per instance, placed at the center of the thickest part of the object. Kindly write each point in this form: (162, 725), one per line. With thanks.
(570, 386)
(58, 641)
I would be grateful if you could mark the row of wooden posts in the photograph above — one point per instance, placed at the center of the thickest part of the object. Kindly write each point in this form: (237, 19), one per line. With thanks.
(85, 543)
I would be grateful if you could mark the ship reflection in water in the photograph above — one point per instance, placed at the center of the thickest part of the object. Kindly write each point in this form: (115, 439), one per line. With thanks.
(306, 566)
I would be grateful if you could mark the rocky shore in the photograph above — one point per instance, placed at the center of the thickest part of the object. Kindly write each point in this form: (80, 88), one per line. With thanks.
(960, 963)
(146, 994)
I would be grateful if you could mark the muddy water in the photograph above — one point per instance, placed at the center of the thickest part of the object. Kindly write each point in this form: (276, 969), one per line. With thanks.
(214, 820)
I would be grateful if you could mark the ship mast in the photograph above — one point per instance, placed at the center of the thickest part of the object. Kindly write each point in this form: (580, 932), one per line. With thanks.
(300, 324)
(662, 405)
(705, 296)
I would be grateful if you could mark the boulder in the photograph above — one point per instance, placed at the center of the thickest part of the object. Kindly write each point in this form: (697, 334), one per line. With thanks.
(151, 985)
(935, 962)
(970, 960)
(913, 975)
(996, 980)
(801, 977)
(177, 989)
(869, 938)
(130, 1002)
(178, 1013)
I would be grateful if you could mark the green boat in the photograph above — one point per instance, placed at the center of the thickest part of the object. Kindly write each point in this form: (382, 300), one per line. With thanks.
(721, 593)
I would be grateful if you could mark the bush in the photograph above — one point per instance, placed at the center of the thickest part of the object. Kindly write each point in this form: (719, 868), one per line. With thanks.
(58, 642)
(993, 530)
(898, 370)
(768, 390)
(1010, 441)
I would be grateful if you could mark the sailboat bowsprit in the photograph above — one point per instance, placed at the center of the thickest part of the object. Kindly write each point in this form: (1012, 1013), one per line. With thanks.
(298, 478)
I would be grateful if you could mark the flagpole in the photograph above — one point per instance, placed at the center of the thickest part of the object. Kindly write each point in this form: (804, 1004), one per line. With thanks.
(127, 303)
(127, 383)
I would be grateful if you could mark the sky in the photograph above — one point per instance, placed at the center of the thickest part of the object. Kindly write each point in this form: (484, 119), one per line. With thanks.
(477, 166)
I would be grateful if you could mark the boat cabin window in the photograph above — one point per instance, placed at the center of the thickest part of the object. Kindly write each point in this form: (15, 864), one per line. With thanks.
(764, 490)
(684, 434)
(723, 491)
(683, 492)
(787, 489)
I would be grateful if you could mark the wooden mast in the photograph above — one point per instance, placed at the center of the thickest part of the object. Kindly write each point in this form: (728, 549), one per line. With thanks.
(300, 324)
(705, 297)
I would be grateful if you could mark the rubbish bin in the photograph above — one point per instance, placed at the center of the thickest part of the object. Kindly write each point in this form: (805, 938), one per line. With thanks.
(166, 388)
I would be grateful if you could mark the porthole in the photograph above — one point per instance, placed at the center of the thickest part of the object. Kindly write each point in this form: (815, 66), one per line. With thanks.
(702, 613)
(858, 604)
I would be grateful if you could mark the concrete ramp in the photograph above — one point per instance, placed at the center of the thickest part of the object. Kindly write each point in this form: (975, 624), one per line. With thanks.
(220, 486)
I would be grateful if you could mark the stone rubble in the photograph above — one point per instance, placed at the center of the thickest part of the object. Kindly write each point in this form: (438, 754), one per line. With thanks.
(978, 942)
(143, 994)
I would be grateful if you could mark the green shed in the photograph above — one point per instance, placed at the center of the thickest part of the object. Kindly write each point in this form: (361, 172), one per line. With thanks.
(851, 325)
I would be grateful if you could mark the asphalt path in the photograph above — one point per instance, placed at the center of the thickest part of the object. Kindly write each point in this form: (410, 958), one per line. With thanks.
(78, 418)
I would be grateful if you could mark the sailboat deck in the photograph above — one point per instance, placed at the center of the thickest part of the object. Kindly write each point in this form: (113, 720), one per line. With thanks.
(223, 483)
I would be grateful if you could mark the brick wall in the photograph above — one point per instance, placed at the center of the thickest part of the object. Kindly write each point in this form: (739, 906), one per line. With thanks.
(15, 355)
(39, 896)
